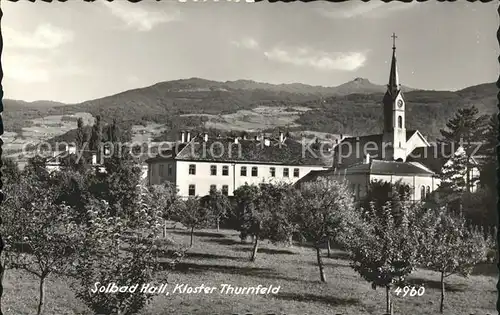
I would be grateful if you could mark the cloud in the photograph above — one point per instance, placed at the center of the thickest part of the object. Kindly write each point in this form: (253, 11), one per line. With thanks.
(29, 68)
(372, 9)
(317, 59)
(248, 43)
(45, 36)
(138, 16)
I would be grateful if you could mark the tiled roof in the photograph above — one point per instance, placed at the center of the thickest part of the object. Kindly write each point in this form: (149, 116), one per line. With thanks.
(290, 152)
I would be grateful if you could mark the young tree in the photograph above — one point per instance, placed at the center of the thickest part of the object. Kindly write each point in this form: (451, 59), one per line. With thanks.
(193, 215)
(218, 204)
(385, 249)
(449, 247)
(42, 236)
(322, 209)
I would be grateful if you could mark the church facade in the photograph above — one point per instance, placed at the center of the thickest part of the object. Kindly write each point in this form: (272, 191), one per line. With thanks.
(395, 155)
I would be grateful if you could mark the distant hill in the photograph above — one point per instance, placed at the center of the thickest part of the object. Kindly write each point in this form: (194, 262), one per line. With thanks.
(358, 85)
(350, 108)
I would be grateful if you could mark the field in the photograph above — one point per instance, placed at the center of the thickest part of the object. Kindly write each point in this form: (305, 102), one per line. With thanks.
(219, 258)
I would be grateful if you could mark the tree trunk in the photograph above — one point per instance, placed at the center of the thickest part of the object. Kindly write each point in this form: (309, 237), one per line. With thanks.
(441, 305)
(388, 303)
(320, 264)
(290, 240)
(255, 247)
(164, 228)
(218, 224)
(41, 298)
(328, 247)
(192, 236)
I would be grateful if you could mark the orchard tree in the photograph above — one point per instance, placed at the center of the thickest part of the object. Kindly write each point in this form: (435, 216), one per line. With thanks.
(277, 220)
(42, 236)
(164, 199)
(247, 214)
(449, 247)
(218, 204)
(108, 256)
(193, 215)
(384, 250)
(322, 210)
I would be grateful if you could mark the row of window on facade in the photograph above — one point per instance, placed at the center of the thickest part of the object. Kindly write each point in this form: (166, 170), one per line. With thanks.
(243, 171)
(425, 191)
(224, 190)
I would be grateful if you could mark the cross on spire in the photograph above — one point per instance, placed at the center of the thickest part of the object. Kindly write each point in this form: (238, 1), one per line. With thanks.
(394, 40)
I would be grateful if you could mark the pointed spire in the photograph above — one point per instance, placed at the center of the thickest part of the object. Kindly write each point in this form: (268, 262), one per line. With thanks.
(393, 86)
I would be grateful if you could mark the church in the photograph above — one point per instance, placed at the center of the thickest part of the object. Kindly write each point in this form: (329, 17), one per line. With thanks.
(395, 155)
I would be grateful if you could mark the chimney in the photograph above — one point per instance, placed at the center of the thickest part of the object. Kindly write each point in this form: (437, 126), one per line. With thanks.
(341, 137)
(182, 136)
(205, 136)
(71, 149)
(188, 136)
(282, 136)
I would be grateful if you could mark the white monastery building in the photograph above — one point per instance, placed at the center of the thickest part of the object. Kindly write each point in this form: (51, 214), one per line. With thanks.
(197, 164)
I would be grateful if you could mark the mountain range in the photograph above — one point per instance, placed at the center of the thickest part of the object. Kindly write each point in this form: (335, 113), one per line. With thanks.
(350, 108)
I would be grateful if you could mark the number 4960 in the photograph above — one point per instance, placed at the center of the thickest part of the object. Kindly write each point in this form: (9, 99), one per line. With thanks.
(410, 291)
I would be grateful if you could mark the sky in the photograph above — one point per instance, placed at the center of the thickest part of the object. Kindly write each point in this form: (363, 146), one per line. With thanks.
(76, 51)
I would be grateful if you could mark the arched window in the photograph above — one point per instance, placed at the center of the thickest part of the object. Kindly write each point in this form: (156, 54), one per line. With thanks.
(422, 193)
(400, 122)
(428, 192)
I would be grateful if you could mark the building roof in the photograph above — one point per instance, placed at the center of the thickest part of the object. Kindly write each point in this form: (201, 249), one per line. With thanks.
(273, 151)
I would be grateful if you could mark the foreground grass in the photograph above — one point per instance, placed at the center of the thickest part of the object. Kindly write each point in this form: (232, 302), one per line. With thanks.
(218, 258)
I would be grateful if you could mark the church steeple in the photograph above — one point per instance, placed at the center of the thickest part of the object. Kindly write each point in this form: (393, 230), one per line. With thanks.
(393, 86)
(394, 112)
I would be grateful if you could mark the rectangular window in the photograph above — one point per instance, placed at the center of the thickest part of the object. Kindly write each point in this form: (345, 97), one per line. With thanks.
(212, 187)
(169, 170)
(243, 171)
(213, 170)
(285, 172)
(192, 169)
(192, 190)
(225, 170)
(225, 190)
(254, 171)
(295, 172)
(272, 170)
(162, 170)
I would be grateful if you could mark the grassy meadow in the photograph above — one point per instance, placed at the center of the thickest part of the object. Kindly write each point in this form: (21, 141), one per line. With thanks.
(219, 257)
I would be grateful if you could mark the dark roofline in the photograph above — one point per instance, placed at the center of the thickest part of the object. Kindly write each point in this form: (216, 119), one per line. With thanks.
(157, 159)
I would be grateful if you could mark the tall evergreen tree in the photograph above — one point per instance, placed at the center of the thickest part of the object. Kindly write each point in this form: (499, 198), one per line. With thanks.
(468, 129)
